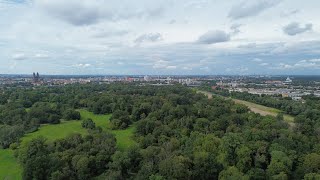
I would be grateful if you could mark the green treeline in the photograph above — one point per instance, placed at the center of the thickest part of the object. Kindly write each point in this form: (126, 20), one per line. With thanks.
(307, 114)
(180, 134)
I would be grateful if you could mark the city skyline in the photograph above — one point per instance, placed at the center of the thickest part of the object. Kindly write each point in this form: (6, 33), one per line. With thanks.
(169, 37)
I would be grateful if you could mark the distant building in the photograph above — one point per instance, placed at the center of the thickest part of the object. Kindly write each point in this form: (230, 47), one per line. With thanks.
(285, 95)
(36, 77)
(147, 78)
(288, 81)
(214, 87)
(233, 84)
(129, 79)
(274, 82)
(220, 83)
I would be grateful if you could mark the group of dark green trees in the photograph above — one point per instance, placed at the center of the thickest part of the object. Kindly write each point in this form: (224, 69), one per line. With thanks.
(179, 134)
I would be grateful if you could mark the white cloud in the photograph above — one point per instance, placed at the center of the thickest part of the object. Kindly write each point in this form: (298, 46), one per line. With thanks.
(41, 56)
(13, 65)
(171, 67)
(82, 65)
(19, 56)
(235, 29)
(303, 64)
(89, 12)
(314, 60)
(150, 37)
(75, 12)
(214, 36)
(251, 8)
(207, 69)
(287, 13)
(264, 64)
(160, 64)
(243, 69)
(285, 66)
(187, 68)
(295, 28)
(257, 60)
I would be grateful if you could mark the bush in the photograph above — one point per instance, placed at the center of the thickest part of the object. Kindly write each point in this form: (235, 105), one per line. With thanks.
(71, 115)
(9, 135)
(54, 119)
(120, 120)
(88, 124)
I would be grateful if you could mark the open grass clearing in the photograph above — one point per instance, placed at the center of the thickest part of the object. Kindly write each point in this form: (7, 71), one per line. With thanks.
(65, 128)
(9, 166)
(124, 137)
(257, 108)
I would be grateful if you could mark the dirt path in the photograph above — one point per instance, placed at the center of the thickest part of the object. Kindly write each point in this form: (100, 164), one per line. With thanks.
(256, 108)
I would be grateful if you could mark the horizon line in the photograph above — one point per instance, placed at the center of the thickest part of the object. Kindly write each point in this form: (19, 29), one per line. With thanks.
(23, 74)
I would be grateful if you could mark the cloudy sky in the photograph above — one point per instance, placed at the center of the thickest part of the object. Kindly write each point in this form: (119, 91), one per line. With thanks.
(160, 37)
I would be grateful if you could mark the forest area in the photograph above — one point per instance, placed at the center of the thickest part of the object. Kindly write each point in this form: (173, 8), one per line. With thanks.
(177, 133)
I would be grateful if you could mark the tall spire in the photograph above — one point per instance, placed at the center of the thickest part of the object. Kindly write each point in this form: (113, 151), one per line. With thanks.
(36, 77)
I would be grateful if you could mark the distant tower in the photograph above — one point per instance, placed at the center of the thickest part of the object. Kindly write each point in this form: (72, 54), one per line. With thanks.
(36, 77)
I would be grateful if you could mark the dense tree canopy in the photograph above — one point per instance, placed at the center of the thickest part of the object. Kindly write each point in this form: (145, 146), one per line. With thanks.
(180, 134)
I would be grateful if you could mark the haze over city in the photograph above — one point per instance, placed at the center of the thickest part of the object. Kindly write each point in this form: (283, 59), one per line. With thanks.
(173, 37)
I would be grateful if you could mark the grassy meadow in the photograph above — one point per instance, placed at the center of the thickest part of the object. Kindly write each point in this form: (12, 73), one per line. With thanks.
(9, 167)
(65, 128)
(123, 137)
(264, 110)
(53, 132)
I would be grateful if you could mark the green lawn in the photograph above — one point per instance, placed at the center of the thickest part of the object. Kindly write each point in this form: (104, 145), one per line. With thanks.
(9, 168)
(100, 120)
(58, 131)
(124, 137)
(65, 128)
